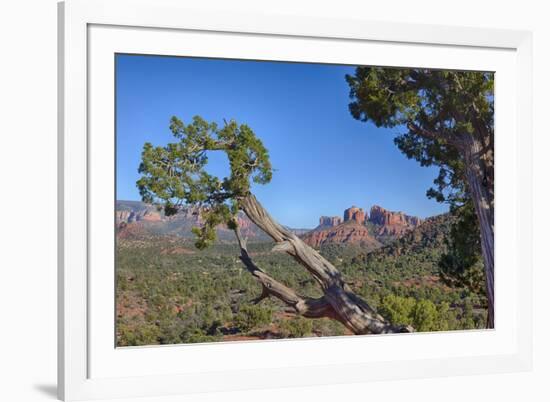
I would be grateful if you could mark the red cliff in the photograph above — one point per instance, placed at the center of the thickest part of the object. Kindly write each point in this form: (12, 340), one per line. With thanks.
(349, 232)
(392, 223)
(329, 221)
(354, 214)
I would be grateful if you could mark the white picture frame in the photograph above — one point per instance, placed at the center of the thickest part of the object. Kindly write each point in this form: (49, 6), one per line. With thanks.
(91, 32)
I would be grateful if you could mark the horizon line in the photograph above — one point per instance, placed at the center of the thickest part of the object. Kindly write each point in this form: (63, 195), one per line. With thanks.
(339, 216)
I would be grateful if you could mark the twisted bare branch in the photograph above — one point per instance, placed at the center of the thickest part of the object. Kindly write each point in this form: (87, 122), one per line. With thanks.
(338, 302)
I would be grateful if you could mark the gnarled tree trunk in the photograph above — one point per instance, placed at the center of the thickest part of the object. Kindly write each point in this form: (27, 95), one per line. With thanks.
(338, 301)
(479, 177)
(477, 153)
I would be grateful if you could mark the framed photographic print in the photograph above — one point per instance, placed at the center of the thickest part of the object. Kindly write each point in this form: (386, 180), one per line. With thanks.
(252, 201)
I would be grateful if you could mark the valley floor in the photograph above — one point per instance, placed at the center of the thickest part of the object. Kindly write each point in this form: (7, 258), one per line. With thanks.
(168, 292)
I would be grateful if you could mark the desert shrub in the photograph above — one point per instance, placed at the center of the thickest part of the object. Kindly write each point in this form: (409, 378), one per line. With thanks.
(145, 334)
(447, 319)
(398, 309)
(251, 316)
(296, 328)
(199, 337)
(327, 327)
(425, 316)
(204, 296)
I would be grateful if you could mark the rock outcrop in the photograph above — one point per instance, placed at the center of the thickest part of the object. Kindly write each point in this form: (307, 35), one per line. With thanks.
(392, 223)
(329, 221)
(349, 232)
(354, 214)
(149, 214)
(357, 227)
(134, 218)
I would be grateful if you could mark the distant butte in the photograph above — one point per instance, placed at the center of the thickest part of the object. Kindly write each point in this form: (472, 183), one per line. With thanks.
(358, 227)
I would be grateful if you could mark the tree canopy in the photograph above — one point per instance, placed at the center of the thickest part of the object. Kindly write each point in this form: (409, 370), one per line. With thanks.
(435, 109)
(446, 119)
(175, 174)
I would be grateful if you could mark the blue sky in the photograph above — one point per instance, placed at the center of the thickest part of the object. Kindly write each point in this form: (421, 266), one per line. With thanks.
(324, 160)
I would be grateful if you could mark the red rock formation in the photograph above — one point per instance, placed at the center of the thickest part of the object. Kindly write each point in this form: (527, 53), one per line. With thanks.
(331, 229)
(354, 214)
(392, 223)
(121, 216)
(150, 215)
(353, 229)
(349, 232)
(329, 221)
(130, 231)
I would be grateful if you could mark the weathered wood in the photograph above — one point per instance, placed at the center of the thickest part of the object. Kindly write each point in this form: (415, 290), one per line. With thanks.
(477, 151)
(306, 306)
(338, 302)
(483, 199)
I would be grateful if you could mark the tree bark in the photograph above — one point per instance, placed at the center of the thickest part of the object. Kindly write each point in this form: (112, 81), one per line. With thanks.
(479, 171)
(479, 178)
(338, 302)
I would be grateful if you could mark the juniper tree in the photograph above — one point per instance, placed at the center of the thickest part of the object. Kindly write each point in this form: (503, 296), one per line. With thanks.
(462, 263)
(175, 175)
(447, 119)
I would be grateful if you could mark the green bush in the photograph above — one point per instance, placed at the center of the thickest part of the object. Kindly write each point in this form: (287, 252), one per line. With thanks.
(297, 327)
(145, 334)
(205, 295)
(447, 318)
(425, 316)
(328, 327)
(398, 309)
(250, 317)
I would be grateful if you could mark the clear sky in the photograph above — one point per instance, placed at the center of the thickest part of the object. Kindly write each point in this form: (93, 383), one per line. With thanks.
(324, 160)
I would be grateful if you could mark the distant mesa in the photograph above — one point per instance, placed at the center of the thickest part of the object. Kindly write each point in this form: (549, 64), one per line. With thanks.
(138, 220)
(392, 223)
(147, 215)
(349, 232)
(381, 216)
(358, 227)
(329, 221)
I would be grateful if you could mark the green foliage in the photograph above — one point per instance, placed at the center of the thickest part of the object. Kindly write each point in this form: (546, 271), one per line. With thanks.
(447, 318)
(166, 297)
(252, 316)
(454, 107)
(462, 264)
(398, 309)
(423, 314)
(297, 327)
(216, 215)
(327, 327)
(175, 174)
(146, 334)
(450, 104)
